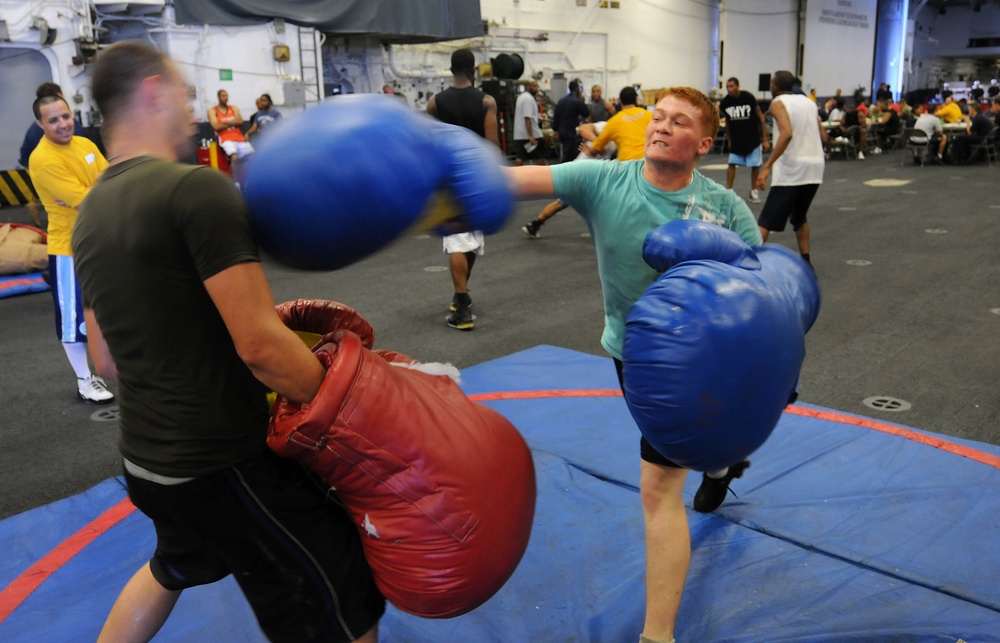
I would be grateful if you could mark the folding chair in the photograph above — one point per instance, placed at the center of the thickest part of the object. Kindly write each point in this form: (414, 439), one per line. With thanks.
(872, 138)
(719, 144)
(918, 142)
(988, 146)
(897, 140)
(844, 142)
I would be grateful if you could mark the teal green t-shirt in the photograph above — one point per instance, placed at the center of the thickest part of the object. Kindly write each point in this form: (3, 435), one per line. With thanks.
(621, 208)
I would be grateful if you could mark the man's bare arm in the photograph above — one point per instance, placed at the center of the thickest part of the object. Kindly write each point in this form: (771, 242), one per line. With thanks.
(275, 354)
(98, 348)
(213, 120)
(784, 125)
(531, 181)
(527, 124)
(763, 130)
(489, 121)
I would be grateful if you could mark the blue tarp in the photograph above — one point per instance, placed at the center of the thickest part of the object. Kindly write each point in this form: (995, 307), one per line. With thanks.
(20, 284)
(840, 533)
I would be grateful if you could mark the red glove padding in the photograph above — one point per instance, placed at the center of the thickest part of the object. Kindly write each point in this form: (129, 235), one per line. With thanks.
(321, 316)
(442, 489)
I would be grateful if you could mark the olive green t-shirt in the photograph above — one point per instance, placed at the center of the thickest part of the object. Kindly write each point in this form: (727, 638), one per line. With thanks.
(148, 235)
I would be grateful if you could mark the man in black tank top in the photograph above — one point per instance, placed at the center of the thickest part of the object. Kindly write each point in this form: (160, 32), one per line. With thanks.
(464, 105)
(461, 106)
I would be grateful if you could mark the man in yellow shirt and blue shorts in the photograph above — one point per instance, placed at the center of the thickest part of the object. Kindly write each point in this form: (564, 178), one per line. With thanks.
(63, 168)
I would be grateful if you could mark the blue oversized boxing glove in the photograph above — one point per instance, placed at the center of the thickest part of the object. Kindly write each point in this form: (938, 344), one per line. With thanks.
(713, 348)
(668, 245)
(341, 180)
(474, 194)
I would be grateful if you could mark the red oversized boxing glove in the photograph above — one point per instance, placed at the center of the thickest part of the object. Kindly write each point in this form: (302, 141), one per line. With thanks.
(313, 318)
(441, 488)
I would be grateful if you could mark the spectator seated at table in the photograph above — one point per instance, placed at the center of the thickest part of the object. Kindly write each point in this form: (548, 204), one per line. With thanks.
(854, 127)
(928, 123)
(886, 124)
(836, 114)
(905, 113)
(979, 126)
(949, 111)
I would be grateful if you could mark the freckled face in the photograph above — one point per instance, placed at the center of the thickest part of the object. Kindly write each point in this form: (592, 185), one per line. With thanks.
(674, 136)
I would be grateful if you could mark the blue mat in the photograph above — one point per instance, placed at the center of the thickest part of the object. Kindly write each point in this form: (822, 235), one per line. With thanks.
(841, 532)
(20, 284)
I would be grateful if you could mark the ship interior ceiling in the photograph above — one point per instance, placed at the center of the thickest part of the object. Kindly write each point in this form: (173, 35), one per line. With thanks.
(869, 514)
(954, 3)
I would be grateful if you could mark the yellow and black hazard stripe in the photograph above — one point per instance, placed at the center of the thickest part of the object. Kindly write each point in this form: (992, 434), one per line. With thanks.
(16, 188)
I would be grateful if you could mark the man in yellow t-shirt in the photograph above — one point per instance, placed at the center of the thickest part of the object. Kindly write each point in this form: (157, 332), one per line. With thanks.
(950, 112)
(626, 129)
(63, 168)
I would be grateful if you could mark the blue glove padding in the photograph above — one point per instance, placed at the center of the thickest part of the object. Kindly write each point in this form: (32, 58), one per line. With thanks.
(712, 351)
(474, 178)
(670, 244)
(341, 180)
(782, 266)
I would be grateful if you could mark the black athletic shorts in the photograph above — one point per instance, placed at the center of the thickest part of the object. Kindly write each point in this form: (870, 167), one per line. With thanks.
(294, 551)
(522, 153)
(787, 203)
(646, 450)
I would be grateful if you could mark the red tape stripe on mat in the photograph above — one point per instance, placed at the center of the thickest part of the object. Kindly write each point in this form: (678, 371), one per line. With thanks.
(538, 395)
(951, 447)
(929, 440)
(22, 587)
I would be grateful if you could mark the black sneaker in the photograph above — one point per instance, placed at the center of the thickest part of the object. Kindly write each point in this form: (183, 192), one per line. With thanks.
(454, 302)
(712, 492)
(531, 229)
(461, 319)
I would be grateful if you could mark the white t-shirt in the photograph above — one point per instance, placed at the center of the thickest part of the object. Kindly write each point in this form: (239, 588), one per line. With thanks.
(526, 106)
(605, 154)
(835, 115)
(802, 162)
(929, 123)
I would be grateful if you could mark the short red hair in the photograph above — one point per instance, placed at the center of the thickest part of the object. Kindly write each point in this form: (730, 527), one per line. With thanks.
(708, 110)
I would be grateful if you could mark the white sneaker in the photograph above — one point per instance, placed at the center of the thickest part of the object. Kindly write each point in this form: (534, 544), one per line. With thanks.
(94, 390)
(861, 156)
(877, 150)
(754, 196)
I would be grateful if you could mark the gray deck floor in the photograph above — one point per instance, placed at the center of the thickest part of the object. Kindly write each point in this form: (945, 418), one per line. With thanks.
(911, 310)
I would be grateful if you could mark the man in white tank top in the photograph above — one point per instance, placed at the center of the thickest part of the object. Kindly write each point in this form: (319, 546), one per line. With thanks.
(796, 162)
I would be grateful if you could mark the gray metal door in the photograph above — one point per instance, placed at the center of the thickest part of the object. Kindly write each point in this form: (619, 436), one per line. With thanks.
(21, 71)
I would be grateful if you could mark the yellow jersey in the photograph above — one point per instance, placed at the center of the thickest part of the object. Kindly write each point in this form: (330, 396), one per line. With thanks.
(62, 175)
(950, 113)
(627, 129)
